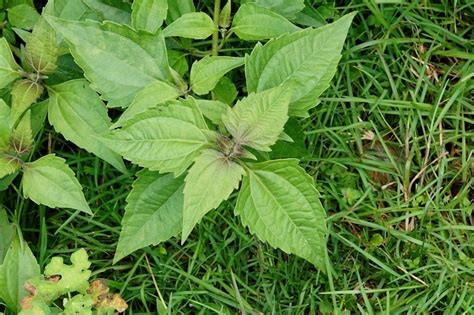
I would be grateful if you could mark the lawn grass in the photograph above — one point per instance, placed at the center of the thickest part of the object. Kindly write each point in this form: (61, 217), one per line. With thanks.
(391, 149)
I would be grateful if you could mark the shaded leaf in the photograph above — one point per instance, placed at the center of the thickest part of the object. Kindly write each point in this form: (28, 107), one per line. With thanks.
(153, 94)
(213, 110)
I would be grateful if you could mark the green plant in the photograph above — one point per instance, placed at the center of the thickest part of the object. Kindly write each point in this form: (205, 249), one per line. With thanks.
(26, 291)
(196, 150)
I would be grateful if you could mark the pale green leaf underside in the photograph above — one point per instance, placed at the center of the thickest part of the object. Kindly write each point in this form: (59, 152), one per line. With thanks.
(18, 266)
(42, 49)
(77, 112)
(50, 182)
(279, 203)
(207, 72)
(258, 119)
(163, 139)
(148, 15)
(8, 165)
(314, 53)
(8, 66)
(196, 25)
(153, 94)
(118, 61)
(154, 212)
(252, 22)
(211, 180)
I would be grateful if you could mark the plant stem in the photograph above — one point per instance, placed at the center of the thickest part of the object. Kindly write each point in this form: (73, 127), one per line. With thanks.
(215, 35)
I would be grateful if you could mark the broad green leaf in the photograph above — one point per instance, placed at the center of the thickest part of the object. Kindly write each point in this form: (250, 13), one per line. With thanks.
(8, 66)
(18, 266)
(23, 16)
(108, 12)
(196, 25)
(211, 180)
(286, 8)
(258, 119)
(24, 93)
(213, 110)
(315, 54)
(163, 140)
(279, 203)
(7, 233)
(49, 181)
(225, 15)
(41, 51)
(153, 94)
(310, 17)
(225, 91)
(148, 15)
(177, 8)
(153, 214)
(292, 145)
(8, 165)
(252, 22)
(5, 130)
(70, 10)
(117, 60)
(13, 3)
(77, 112)
(178, 62)
(38, 116)
(207, 72)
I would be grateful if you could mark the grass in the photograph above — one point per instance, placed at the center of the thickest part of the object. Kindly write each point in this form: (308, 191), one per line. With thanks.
(391, 149)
